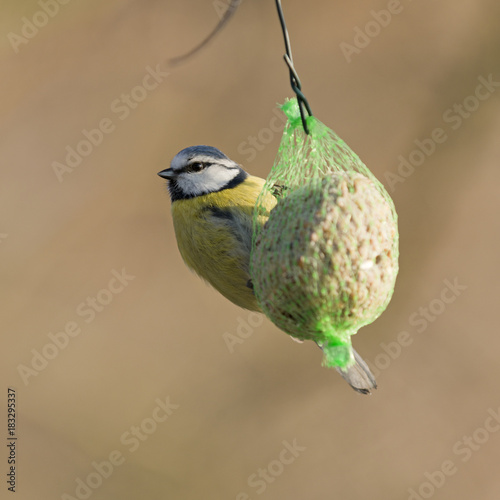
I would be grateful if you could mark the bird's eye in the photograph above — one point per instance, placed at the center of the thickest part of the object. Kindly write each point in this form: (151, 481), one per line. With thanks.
(196, 167)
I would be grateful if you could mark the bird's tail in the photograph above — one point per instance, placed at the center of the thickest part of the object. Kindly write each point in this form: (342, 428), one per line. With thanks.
(358, 375)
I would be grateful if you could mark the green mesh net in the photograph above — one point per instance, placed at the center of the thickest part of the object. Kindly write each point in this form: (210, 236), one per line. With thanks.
(325, 241)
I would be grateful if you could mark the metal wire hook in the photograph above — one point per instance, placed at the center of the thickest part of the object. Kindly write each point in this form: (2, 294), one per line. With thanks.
(294, 77)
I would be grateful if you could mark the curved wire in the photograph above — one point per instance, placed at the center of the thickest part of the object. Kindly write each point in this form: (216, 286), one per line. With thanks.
(231, 9)
(294, 77)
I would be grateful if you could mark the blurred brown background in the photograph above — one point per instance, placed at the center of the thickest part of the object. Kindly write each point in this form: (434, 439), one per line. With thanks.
(162, 335)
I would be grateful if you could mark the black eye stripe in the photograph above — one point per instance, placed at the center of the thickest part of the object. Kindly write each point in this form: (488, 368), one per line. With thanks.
(196, 166)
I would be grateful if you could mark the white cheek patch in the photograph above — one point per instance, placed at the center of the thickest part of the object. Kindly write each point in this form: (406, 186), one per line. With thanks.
(212, 179)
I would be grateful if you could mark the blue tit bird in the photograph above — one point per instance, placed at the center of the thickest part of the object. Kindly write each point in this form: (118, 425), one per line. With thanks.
(213, 201)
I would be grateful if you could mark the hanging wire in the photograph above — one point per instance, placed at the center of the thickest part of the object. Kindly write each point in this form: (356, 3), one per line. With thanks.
(294, 77)
(228, 14)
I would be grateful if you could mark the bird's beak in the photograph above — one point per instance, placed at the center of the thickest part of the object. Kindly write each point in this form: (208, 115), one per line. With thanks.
(168, 173)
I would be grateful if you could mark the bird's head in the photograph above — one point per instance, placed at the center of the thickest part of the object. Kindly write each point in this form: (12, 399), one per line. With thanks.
(200, 170)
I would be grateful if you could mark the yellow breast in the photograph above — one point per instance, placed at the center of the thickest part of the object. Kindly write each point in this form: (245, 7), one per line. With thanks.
(214, 235)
